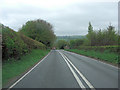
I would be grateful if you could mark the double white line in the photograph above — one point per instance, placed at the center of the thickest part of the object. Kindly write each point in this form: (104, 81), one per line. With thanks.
(69, 63)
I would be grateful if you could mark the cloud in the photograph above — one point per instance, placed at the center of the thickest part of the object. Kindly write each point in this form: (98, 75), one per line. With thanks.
(68, 17)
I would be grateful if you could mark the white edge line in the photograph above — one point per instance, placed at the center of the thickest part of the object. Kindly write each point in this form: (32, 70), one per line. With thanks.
(83, 77)
(28, 72)
(95, 60)
(74, 74)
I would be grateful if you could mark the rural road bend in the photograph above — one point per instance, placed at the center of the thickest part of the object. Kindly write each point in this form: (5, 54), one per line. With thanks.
(63, 69)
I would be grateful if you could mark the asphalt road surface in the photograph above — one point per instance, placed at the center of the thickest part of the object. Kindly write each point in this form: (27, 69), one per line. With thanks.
(63, 69)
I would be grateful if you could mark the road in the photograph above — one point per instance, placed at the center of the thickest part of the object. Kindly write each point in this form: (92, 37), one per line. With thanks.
(63, 69)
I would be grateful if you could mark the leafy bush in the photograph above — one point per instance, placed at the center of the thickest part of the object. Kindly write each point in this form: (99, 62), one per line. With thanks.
(15, 44)
(32, 44)
(75, 43)
(61, 44)
(100, 37)
(114, 48)
(12, 45)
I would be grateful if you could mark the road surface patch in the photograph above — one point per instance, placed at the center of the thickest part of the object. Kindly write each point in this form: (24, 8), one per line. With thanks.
(81, 75)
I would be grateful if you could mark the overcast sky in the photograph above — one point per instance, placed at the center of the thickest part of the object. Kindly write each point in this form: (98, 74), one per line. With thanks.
(68, 17)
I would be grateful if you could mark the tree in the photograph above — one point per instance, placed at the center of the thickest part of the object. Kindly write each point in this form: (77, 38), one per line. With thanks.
(72, 43)
(90, 33)
(98, 38)
(111, 35)
(61, 44)
(76, 43)
(90, 28)
(39, 30)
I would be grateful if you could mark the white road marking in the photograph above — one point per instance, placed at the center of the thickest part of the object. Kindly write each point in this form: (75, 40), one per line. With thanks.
(27, 72)
(86, 81)
(73, 72)
(116, 67)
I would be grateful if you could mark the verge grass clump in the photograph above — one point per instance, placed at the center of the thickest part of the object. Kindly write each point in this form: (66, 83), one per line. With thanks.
(106, 55)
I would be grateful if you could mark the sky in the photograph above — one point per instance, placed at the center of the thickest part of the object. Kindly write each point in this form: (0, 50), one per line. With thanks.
(68, 17)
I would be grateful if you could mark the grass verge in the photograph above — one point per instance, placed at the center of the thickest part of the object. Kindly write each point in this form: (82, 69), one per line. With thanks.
(14, 68)
(105, 56)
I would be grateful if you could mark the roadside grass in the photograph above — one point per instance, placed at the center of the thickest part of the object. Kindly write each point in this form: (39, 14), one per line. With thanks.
(14, 68)
(105, 56)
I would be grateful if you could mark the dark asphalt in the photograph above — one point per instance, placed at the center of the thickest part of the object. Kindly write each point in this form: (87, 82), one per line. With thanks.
(99, 74)
(53, 72)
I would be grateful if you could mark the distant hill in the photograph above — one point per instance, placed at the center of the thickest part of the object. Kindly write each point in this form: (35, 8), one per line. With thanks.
(67, 38)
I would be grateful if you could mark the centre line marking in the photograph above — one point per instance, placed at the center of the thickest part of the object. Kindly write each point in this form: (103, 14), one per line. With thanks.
(73, 72)
(86, 81)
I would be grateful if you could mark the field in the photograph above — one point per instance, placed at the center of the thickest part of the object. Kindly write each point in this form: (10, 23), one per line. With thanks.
(13, 68)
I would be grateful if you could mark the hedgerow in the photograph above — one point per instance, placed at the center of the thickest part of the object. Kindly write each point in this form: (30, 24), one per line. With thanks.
(111, 48)
(12, 45)
(32, 44)
(15, 44)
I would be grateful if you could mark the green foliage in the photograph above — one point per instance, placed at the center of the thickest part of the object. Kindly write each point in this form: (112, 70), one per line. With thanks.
(12, 44)
(61, 44)
(118, 39)
(90, 28)
(39, 30)
(100, 38)
(32, 44)
(76, 43)
(114, 49)
(90, 34)
(0, 28)
(13, 68)
(106, 55)
(94, 38)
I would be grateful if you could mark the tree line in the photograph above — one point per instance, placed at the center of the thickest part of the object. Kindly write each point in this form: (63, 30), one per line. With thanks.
(104, 37)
